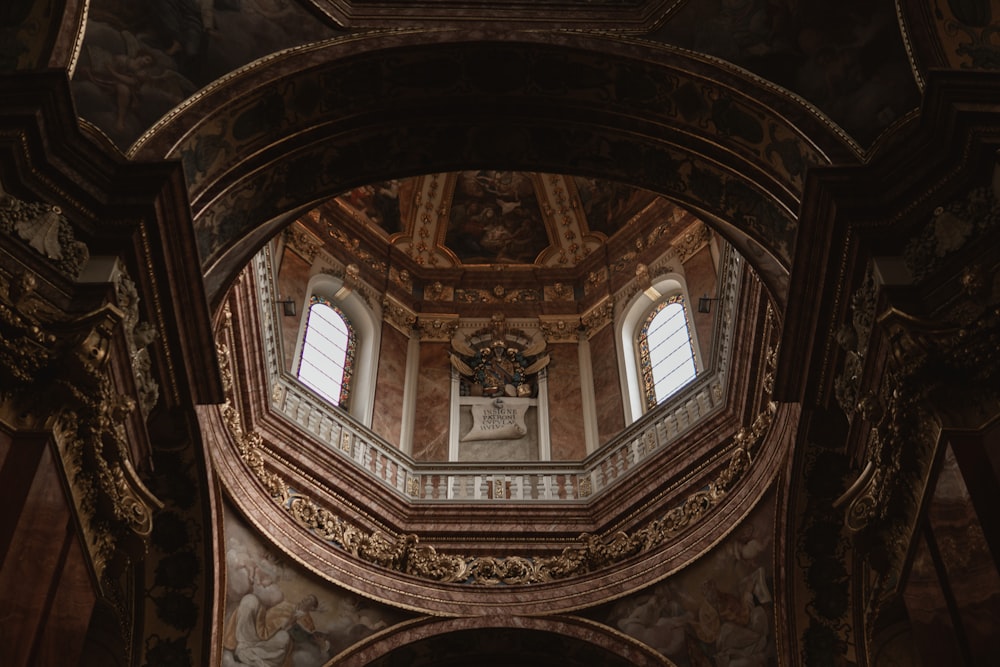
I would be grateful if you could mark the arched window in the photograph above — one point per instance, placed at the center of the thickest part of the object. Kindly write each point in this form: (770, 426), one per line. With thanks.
(666, 355)
(328, 349)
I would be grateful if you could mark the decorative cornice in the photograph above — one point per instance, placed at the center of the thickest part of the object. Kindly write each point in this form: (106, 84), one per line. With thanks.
(404, 553)
(399, 316)
(437, 328)
(598, 317)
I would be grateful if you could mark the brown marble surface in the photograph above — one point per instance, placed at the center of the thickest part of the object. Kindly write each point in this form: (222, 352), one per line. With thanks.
(430, 427)
(32, 563)
(387, 413)
(566, 433)
(607, 388)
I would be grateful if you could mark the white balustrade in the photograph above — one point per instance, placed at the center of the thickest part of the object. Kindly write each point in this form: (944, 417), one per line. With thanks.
(543, 481)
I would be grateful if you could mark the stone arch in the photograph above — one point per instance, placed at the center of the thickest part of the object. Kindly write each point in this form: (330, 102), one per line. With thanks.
(552, 640)
(287, 132)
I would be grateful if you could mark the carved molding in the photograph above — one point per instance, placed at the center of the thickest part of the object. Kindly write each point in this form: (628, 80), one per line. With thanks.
(303, 242)
(398, 316)
(598, 317)
(406, 554)
(441, 328)
(139, 335)
(853, 338)
(938, 374)
(560, 329)
(46, 230)
(57, 373)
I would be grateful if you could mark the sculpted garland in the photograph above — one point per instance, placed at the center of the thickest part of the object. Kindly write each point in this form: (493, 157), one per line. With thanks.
(406, 554)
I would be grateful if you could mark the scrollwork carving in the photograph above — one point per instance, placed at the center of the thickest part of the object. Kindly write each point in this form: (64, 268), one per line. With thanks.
(406, 554)
(139, 336)
(58, 372)
(934, 372)
(595, 319)
(853, 339)
(46, 230)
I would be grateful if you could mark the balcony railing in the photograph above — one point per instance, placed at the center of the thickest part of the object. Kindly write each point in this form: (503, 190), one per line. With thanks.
(535, 482)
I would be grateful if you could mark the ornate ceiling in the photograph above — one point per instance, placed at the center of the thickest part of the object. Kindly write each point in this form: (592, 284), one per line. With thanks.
(481, 218)
(819, 139)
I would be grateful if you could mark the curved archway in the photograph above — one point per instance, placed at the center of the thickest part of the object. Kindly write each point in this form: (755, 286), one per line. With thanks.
(286, 133)
(503, 640)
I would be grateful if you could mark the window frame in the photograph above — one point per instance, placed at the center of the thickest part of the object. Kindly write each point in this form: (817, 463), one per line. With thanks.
(366, 320)
(669, 283)
(648, 364)
(346, 365)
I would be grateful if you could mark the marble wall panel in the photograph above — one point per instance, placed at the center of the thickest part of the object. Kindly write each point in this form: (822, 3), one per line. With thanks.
(702, 279)
(566, 433)
(387, 415)
(278, 614)
(607, 388)
(430, 427)
(65, 629)
(293, 278)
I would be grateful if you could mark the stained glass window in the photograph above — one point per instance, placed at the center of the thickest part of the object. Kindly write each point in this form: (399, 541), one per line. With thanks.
(328, 351)
(666, 355)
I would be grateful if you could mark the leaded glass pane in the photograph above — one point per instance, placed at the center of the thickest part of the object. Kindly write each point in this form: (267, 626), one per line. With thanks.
(666, 355)
(328, 349)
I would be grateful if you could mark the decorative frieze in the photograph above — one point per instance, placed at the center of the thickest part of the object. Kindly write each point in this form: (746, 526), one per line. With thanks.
(499, 294)
(303, 242)
(440, 328)
(953, 227)
(598, 317)
(399, 316)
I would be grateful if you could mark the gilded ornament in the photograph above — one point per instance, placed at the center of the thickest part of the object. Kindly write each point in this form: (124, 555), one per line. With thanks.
(46, 230)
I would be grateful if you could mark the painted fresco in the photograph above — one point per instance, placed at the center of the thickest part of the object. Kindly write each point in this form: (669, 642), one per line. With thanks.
(277, 616)
(378, 203)
(969, 31)
(27, 30)
(608, 205)
(717, 612)
(495, 218)
(141, 59)
(847, 58)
